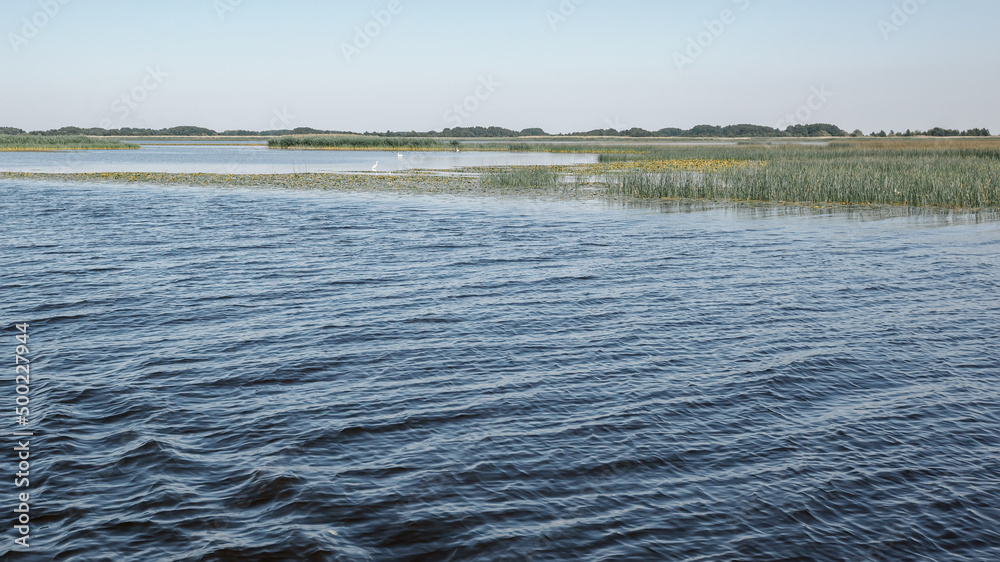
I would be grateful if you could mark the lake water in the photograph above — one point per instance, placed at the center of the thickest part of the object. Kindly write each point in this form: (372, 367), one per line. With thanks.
(255, 159)
(267, 375)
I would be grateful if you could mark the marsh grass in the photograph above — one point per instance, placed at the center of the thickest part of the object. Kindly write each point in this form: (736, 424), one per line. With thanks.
(356, 142)
(368, 142)
(521, 177)
(18, 143)
(955, 174)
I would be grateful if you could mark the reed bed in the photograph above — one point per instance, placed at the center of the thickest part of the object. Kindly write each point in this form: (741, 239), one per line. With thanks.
(951, 174)
(21, 143)
(356, 142)
(521, 177)
(369, 142)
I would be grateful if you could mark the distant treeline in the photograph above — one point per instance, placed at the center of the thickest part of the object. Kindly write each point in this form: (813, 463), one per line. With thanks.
(936, 132)
(700, 131)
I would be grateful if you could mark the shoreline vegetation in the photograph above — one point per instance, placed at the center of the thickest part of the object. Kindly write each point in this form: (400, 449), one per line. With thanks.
(31, 143)
(947, 173)
(958, 173)
(955, 173)
(406, 144)
(358, 142)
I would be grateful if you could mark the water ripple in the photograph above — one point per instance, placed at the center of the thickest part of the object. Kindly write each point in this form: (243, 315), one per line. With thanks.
(257, 375)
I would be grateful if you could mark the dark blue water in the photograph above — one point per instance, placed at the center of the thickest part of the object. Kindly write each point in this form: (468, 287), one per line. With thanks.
(261, 375)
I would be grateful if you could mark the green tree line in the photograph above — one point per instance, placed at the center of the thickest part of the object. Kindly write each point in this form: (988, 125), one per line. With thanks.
(699, 131)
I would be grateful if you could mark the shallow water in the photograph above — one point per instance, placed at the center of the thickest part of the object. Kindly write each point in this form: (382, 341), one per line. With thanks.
(272, 375)
(255, 159)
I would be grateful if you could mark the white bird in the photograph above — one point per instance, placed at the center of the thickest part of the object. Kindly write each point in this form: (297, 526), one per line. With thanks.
(399, 155)
(375, 166)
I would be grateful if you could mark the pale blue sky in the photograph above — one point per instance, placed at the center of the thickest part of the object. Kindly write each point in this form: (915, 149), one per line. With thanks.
(261, 64)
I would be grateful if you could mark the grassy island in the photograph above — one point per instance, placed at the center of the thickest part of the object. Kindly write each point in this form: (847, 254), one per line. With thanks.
(955, 173)
(948, 173)
(356, 142)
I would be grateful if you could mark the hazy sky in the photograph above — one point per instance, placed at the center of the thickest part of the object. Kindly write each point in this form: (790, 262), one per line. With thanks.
(563, 65)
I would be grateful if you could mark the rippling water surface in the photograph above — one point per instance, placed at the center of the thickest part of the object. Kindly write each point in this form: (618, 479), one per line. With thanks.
(261, 375)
